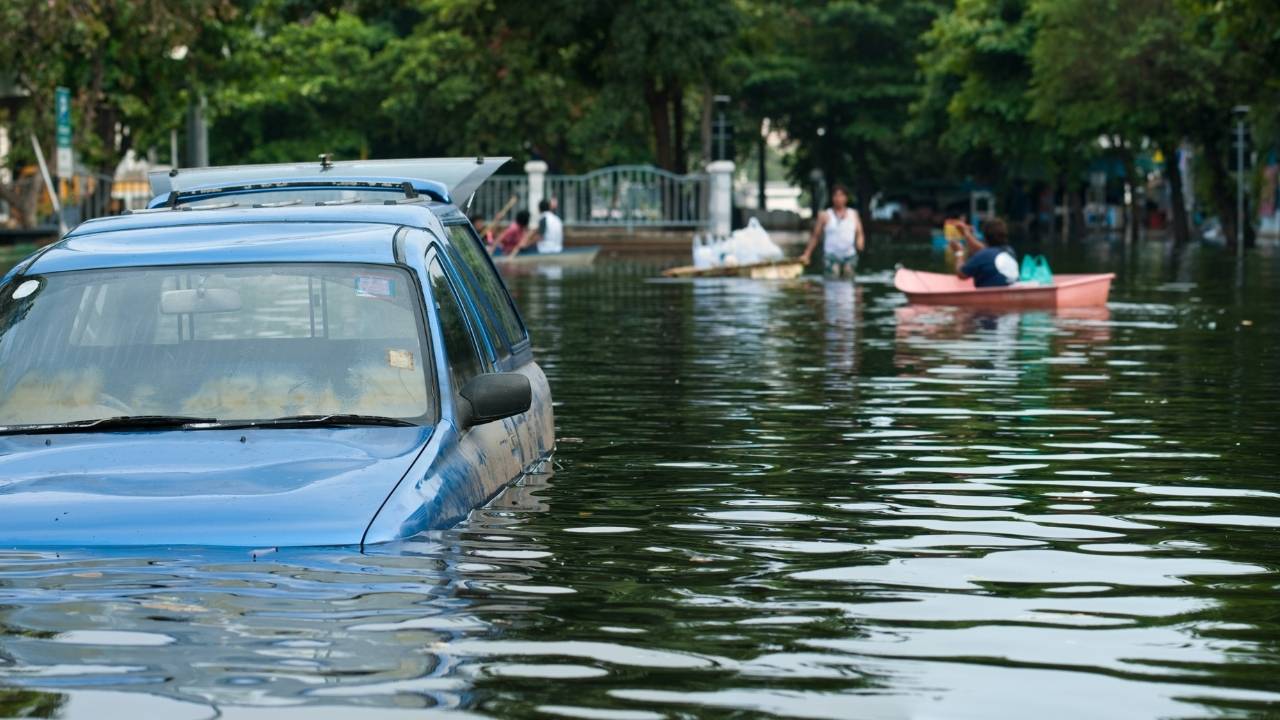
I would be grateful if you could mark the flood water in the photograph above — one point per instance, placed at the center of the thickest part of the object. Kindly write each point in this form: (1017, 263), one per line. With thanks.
(801, 499)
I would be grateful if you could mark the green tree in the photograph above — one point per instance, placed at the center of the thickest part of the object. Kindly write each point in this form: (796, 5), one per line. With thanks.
(1126, 69)
(646, 56)
(117, 58)
(291, 90)
(974, 100)
(838, 78)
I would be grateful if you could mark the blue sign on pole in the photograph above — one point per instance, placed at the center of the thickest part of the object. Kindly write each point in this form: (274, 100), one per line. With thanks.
(62, 106)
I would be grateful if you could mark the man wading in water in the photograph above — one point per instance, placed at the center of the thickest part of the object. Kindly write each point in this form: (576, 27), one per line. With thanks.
(841, 231)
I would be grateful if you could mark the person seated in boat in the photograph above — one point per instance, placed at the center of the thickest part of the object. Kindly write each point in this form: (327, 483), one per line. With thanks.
(842, 238)
(992, 264)
(513, 237)
(549, 237)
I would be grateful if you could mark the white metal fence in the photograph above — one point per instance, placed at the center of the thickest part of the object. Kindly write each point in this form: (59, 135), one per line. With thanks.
(499, 192)
(630, 196)
(620, 196)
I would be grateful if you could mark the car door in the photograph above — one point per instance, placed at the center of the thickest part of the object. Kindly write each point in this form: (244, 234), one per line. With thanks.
(533, 433)
(488, 451)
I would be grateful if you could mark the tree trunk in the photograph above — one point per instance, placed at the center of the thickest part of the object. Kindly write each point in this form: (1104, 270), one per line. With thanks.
(1132, 221)
(1075, 209)
(1221, 190)
(23, 196)
(1177, 198)
(660, 118)
(680, 149)
(707, 108)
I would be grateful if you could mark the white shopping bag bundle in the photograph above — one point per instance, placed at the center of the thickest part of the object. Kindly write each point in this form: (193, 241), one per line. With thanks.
(746, 246)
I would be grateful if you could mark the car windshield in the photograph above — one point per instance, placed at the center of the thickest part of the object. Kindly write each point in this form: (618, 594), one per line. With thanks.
(228, 342)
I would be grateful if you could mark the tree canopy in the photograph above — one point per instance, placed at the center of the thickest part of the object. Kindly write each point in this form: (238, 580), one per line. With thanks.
(875, 93)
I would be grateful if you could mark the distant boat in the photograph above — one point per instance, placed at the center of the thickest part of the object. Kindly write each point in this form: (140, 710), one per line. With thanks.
(769, 270)
(926, 288)
(577, 256)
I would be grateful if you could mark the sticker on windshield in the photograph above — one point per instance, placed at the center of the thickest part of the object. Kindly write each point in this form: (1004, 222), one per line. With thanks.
(400, 359)
(375, 286)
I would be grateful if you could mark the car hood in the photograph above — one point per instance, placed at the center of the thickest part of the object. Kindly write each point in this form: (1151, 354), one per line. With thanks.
(243, 488)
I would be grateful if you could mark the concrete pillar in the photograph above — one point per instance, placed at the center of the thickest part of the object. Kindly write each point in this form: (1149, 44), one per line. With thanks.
(537, 172)
(720, 202)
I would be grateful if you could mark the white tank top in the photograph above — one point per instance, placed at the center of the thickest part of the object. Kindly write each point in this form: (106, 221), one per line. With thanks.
(552, 233)
(839, 233)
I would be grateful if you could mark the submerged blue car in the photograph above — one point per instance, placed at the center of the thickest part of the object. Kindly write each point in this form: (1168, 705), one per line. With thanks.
(272, 357)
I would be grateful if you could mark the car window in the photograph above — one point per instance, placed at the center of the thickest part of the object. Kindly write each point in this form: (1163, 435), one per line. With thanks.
(232, 342)
(487, 282)
(459, 343)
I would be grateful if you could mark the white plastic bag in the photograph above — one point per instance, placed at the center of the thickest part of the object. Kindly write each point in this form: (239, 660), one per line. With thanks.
(745, 246)
(704, 255)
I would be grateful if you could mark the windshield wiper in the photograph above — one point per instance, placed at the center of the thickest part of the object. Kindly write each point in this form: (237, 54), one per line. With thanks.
(121, 422)
(331, 419)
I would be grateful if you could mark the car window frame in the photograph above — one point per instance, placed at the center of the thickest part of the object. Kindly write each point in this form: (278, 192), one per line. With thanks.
(487, 363)
(514, 346)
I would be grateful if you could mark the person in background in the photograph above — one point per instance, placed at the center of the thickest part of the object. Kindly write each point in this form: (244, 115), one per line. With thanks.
(513, 237)
(484, 231)
(955, 238)
(842, 238)
(990, 265)
(549, 237)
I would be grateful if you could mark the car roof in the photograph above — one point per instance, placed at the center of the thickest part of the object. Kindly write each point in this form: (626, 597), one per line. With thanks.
(337, 233)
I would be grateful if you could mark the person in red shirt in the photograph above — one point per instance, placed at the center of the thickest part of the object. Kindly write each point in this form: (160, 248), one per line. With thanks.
(511, 238)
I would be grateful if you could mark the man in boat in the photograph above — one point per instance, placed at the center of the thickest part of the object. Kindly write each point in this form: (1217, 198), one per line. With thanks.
(513, 237)
(549, 237)
(990, 264)
(842, 239)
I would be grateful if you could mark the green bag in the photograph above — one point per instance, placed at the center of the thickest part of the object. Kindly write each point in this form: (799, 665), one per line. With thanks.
(1028, 271)
(1035, 268)
(1043, 274)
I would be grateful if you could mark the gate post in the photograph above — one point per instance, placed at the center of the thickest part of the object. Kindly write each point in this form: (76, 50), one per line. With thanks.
(537, 172)
(720, 202)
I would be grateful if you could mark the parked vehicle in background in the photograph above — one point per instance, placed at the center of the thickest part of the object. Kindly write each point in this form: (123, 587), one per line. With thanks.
(886, 210)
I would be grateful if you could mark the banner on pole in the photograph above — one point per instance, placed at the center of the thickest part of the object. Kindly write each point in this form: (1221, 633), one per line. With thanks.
(63, 162)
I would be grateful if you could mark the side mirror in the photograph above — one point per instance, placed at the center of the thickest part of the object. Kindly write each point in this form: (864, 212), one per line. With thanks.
(493, 396)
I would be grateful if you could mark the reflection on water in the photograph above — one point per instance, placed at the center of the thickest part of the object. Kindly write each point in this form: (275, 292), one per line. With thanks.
(799, 499)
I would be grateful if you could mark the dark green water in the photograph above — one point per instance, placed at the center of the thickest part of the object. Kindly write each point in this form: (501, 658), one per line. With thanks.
(801, 499)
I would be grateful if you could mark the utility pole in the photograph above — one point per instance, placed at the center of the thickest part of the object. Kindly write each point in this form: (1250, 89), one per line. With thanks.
(197, 133)
(1240, 111)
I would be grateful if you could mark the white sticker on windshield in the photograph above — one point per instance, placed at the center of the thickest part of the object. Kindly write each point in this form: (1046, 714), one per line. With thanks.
(402, 359)
(26, 289)
(375, 286)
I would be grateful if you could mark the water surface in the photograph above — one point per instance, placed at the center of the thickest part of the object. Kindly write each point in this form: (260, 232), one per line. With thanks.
(801, 499)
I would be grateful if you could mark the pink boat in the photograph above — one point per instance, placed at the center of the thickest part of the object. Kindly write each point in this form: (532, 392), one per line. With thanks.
(926, 288)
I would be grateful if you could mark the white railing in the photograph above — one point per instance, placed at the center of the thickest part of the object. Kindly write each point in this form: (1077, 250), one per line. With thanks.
(496, 194)
(630, 196)
(620, 196)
